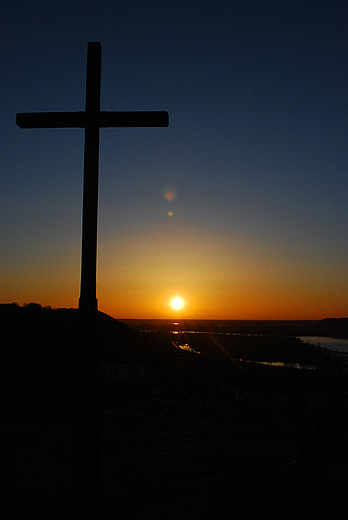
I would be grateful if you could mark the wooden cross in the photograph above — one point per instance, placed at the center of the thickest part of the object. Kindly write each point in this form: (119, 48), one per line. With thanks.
(85, 443)
(92, 119)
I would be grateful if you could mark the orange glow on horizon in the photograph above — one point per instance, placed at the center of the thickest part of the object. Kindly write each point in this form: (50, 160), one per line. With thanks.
(138, 277)
(219, 305)
(129, 305)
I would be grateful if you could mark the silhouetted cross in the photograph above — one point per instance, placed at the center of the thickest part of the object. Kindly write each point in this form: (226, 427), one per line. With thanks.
(85, 441)
(92, 119)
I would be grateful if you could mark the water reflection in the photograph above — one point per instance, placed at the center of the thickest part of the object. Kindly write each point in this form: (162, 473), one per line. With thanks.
(186, 347)
(298, 366)
(281, 364)
(334, 344)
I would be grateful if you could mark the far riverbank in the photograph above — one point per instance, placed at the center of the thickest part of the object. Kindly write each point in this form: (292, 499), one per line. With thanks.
(334, 344)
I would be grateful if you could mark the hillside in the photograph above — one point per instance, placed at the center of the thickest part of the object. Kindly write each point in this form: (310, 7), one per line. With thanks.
(40, 351)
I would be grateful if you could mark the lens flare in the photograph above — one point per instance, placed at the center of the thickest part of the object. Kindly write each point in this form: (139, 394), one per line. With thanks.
(169, 193)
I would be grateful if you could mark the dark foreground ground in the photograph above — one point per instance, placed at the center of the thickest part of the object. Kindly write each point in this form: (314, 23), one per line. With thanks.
(166, 469)
(219, 465)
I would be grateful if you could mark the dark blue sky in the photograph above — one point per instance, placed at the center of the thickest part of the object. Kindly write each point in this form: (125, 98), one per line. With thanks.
(255, 155)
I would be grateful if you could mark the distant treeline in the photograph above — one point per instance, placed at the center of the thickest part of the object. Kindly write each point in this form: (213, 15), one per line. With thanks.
(329, 327)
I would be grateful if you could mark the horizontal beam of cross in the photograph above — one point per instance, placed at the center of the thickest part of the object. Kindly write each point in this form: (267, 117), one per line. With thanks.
(103, 119)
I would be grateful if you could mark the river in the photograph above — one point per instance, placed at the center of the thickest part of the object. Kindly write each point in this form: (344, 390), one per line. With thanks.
(334, 344)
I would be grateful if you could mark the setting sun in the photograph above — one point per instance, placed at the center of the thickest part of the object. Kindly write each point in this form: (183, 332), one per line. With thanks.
(177, 303)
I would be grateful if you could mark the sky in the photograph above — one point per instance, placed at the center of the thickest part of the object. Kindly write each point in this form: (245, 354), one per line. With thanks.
(239, 206)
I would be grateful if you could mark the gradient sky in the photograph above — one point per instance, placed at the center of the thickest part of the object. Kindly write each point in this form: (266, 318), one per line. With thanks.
(239, 207)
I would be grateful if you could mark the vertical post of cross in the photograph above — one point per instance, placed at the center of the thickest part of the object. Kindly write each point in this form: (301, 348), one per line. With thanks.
(85, 462)
(88, 300)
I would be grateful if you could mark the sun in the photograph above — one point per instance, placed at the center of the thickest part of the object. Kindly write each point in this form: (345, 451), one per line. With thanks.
(177, 303)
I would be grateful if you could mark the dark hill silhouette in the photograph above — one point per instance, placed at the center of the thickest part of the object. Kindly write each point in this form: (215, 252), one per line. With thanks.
(34, 326)
(40, 350)
(335, 327)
